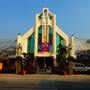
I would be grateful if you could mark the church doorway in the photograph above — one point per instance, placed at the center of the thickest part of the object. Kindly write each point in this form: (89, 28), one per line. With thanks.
(44, 65)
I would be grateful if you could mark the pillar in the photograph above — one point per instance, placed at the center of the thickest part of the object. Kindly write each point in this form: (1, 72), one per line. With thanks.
(54, 39)
(25, 46)
(72, 46)
(35, 64)
(18, 65)
(36, 37)
(54, 61)
(19, 46)
(19, 38)
(47, 33)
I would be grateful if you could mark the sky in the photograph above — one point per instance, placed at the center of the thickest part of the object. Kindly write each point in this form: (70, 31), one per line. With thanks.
(17, 16)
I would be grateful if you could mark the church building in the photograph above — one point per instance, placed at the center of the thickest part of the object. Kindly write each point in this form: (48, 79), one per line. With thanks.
(43, 38)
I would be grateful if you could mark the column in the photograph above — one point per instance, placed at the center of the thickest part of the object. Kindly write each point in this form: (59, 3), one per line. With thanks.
(47, 33)
(54, 61)
(36, 37)
(42, 33)
(24, 49)
(18, 65)
(19, 38)
(35, 65)
(54, 39)
(19, 46)
(72, 46)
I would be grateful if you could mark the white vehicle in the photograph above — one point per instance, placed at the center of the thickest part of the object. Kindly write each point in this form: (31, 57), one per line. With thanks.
(80, 68)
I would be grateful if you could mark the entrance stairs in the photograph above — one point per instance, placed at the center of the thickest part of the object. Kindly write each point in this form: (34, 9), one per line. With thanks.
(44, 71)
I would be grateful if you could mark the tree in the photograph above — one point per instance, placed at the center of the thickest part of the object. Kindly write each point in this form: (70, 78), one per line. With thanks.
(64, 56)
(28, 64)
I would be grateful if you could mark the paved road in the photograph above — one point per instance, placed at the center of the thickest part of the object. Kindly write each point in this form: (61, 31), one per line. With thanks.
(44, 82)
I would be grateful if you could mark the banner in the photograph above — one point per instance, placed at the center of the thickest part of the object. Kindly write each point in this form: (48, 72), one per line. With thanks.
(45, 46)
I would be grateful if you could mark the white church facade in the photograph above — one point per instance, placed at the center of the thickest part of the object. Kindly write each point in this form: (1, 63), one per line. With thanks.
(43, 38)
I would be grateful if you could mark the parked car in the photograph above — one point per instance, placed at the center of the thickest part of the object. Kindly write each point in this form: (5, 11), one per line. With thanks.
(81, 68)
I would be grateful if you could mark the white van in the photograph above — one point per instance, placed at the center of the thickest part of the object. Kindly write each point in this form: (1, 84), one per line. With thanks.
(79, 67)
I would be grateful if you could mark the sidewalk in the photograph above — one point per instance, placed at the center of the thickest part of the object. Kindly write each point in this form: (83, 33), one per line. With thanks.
(43, 76)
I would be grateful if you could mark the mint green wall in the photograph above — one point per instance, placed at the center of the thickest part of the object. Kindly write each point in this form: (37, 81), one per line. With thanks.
(59, 40)
(39, 38)
(50, 32)
(29, 43)
(30, 47)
